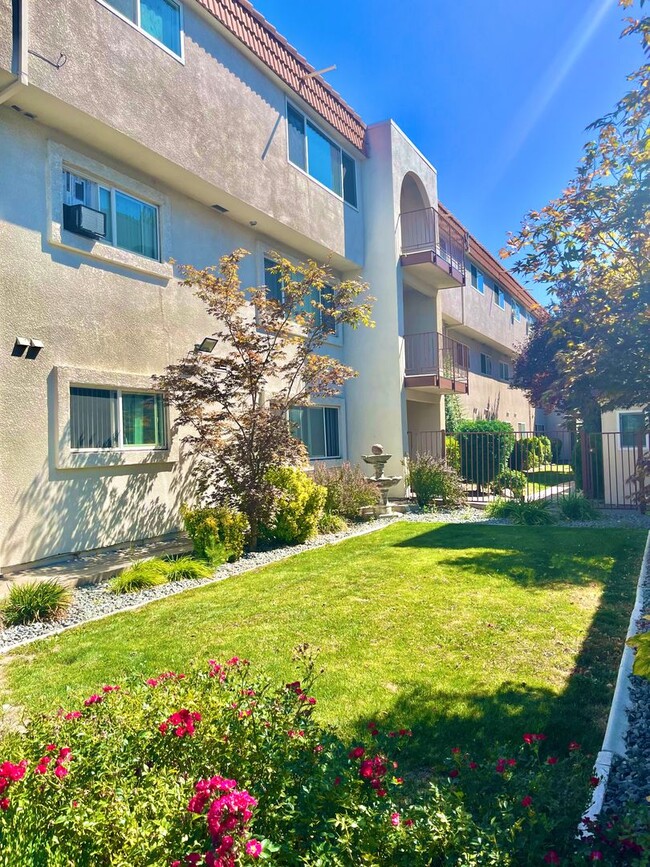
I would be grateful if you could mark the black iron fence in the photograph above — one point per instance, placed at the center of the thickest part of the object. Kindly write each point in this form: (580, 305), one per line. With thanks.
(536, 466)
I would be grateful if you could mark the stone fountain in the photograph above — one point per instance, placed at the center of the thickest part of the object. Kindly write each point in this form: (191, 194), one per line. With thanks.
(378, 461)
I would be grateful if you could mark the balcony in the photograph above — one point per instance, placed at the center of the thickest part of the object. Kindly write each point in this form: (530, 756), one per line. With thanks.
(433, 248)
(434, 361)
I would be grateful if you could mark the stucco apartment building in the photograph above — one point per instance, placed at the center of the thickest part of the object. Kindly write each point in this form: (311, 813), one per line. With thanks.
(133, 132)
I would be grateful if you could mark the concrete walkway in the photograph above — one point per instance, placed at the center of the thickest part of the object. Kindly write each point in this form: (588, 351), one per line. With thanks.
(79, 570)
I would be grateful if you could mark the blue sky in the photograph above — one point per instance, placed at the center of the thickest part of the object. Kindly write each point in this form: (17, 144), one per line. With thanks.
(496, 93)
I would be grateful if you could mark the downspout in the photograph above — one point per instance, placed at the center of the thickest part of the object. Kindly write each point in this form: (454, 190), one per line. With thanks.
(21, 41)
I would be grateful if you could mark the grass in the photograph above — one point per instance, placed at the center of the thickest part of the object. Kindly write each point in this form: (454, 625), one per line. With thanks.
(39, 601)
(548, 476)
(467, 634)
(140, 576)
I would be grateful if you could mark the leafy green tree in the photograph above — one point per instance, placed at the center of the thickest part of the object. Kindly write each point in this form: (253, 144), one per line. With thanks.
(269, 358)
(592, 247)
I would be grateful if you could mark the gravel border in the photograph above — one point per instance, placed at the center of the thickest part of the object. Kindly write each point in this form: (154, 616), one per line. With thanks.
(629, 776)
(94, 602)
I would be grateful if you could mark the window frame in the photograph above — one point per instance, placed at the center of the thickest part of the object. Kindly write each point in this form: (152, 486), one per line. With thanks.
(308, 121)
(65, 458)
(479, 286)
(623, 434)
(180, 58)
(112, 190)
(120, 446)
(335, 337)
(488, 364)
(499, 295)
(339, 416)
(504, 366)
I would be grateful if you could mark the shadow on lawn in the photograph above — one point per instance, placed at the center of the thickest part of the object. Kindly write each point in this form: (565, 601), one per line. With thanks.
(532, 565)
(487, 719)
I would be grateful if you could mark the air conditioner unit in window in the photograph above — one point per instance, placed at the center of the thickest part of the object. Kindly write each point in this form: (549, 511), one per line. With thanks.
(83, 220)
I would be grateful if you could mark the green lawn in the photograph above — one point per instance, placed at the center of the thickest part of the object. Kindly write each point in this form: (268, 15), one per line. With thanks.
(547, 477)
(467, 634)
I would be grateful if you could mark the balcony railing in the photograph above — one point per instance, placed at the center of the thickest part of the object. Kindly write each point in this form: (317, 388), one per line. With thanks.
(436, 354)
(427, 229)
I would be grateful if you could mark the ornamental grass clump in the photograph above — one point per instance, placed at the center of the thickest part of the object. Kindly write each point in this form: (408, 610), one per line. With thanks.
(536, 512)
(187, 568)
(576, 507)
(140, 576)
(216, 767)
(39, 601)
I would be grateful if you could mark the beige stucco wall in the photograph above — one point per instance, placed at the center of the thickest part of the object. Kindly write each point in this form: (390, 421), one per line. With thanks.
(97, 316)
(216, 122)
(376, 399)
(618, 461)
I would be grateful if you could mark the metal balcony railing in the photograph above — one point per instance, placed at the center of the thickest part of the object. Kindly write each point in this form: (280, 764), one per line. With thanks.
(427, 229)
(437, 354)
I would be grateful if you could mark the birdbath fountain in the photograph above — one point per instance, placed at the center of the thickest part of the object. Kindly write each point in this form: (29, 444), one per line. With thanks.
(378, 460)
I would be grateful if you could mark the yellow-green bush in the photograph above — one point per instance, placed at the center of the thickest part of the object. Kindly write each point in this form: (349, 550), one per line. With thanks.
(218, 534)
(297, 507)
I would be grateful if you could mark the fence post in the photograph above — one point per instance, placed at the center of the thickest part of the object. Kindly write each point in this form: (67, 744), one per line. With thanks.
(443, 445)
(638, 468)
(586, 463)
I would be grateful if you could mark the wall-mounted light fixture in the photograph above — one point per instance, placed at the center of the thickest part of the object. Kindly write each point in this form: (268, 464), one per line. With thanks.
(206, 345)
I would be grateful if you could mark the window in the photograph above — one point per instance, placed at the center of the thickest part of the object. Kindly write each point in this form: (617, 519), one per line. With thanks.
(311, 150)
(130, 223)
(477, 279)
(274, 290)
(106, 418)
(540, 428)
(504, 370)
(318, 428)
(631, 424)
(499, 297)
(486, 364)
(160, 19)
(516, 311)
(521, 427)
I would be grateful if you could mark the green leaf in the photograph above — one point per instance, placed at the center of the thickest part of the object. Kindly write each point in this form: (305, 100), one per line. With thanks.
(642, 658)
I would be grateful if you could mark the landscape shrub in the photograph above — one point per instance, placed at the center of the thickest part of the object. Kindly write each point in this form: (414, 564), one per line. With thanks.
(297, 506)
(452, 453)
(431, 478)
(348, 490)
(218, 534)
(485, 447)
(140, 576)
(529, 453)
(217, 768)
(331, 523)
(511, 480)
(520, 512)
(38, 601)
(576, 507)
(187, 568)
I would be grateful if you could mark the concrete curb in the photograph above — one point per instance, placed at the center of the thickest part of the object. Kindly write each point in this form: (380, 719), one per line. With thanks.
(283, 554)
(617, 722)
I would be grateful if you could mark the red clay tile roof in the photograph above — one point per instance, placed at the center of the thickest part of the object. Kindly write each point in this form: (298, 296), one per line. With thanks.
(489, 265)
(255, 32)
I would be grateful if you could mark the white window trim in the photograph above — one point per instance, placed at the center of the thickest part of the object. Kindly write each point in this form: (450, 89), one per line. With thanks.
(61, 157)
(491, 365)
(330, 138)
(179, 58)
(501, 294)
(620, 413)
(67, 458)
(265, 252)
(332, 403)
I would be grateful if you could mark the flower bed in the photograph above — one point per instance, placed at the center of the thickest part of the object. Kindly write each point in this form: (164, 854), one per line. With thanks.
(220, 769)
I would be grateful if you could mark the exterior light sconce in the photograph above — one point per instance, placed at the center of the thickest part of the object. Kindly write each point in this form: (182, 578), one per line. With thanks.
(206, 345)
(27, 347)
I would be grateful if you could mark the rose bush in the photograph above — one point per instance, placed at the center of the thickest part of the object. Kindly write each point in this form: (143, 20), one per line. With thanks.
(220, 769)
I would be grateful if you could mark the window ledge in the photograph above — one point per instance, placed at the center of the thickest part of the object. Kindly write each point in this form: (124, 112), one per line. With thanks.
(60, 157)
(60, 237)
(65, 457)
